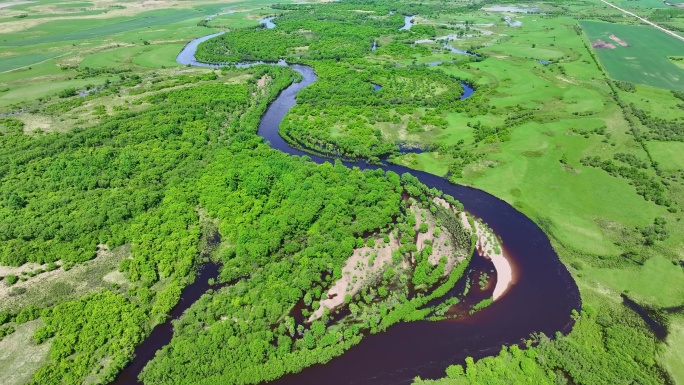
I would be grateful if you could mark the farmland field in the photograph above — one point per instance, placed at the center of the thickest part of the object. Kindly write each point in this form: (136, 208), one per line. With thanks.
(644, 60)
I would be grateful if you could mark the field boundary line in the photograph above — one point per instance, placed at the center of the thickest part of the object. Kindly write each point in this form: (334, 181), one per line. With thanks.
(667, 31)
(32, 64)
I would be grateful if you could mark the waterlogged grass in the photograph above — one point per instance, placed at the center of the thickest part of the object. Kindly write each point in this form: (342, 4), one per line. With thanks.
(644, 60)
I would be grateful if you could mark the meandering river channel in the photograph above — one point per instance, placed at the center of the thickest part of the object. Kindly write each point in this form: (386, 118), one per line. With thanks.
(540, 301)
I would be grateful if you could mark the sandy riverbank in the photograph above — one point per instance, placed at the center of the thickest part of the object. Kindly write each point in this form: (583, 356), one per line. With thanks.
(488, 247)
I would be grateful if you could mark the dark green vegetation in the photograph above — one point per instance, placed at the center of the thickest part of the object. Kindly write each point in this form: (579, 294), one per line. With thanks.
(148, 198)
(147, 175)
(618, 356)
(340, 113)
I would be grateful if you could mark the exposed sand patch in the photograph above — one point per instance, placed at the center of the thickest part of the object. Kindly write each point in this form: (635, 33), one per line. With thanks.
(357, 271)
(262, 82)
(487, 246)
(602, 45)
(7, 5)
(37, 122)
(618, 40)
(561, 78)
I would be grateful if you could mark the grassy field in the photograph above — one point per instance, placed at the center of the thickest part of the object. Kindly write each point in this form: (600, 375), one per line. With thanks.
(590, 215)
(49, 288)
(13, 63)
(43, 50)
(673, 357)
(644, 60)
(658, 282)
(642, 4)
(20, 356)
(668, 154)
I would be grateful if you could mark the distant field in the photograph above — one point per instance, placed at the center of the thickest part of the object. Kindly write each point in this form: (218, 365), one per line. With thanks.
(234, 20)
(9, 64)
(150, 56)
(74, 5)
(644, 60)
(652, 4)
(144, 20)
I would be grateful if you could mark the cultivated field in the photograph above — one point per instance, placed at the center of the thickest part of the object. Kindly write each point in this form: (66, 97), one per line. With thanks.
(640, 55)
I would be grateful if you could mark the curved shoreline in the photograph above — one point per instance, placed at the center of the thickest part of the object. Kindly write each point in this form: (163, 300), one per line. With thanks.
(503, 267)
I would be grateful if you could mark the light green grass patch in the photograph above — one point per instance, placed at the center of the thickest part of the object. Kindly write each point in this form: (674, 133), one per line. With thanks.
(645, 60)
(571, 200)
(669, 155)
(650, 4)
(430, 162)
(658, 282)
(149, 56)
(673, 356)
(74, 5)
(38, 90)
(656, 101)
(20, 356)
(525, 51)
(159, 56)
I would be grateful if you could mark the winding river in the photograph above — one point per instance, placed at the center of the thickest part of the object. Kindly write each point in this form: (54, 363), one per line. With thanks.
(540, 301)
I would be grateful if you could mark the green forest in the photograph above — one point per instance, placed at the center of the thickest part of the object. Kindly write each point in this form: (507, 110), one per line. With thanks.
(286, 225)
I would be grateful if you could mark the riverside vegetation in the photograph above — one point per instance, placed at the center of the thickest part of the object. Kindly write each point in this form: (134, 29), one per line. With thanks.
(162, 160)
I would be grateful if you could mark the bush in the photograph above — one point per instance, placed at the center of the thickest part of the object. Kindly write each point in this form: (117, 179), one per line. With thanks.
(11, 279)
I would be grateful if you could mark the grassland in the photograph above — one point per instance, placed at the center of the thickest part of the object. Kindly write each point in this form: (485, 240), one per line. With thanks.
(644, 60)
(44, 44)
